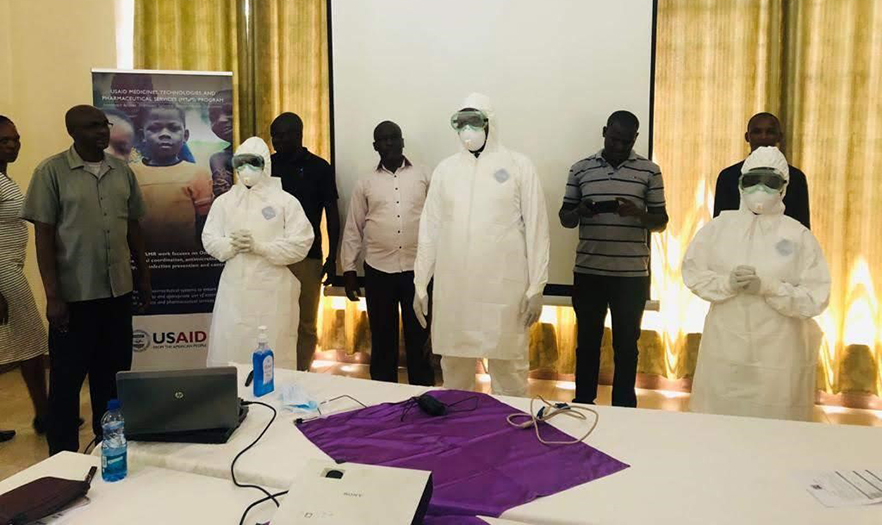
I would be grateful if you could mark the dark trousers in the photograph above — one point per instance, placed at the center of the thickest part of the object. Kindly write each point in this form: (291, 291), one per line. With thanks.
(385, 292)
(626, 298)
(98, 343)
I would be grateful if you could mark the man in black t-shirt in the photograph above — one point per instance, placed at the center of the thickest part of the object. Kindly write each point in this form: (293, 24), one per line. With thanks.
(311, 180)
(764, 129)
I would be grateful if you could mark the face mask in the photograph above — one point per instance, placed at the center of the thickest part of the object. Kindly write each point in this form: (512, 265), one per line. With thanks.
(249, 174)
(473, 138)
(761, 199)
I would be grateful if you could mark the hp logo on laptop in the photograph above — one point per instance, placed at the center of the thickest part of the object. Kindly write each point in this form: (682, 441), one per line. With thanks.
(179, 395)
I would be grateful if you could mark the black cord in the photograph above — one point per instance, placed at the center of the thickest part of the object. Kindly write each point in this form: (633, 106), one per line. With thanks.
(409, 404)
(412, 402)
(258, 502)
(92, 443)
(473, 398)
(246, 449)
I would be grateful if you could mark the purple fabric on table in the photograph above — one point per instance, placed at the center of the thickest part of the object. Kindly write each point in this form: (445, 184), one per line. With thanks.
(480, 464)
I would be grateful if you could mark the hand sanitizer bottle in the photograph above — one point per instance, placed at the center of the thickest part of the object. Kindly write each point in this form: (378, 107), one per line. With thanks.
(263, 364)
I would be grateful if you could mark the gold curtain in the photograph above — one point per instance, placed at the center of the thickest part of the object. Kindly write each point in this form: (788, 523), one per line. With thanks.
(292, 67)
(717, 63)
(191, 36)
(276, 48)
(832, 106)
(815, 63)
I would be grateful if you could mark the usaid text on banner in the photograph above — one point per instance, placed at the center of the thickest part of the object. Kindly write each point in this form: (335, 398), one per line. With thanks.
(143, 340)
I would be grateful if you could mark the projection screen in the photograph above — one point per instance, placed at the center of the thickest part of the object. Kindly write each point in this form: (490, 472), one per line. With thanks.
(554, 70)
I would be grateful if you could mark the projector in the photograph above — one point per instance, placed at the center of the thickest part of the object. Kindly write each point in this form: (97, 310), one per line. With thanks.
(355, 494)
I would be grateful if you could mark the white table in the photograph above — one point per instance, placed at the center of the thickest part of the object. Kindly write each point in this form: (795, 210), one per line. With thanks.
(685, 468)
(148, 495)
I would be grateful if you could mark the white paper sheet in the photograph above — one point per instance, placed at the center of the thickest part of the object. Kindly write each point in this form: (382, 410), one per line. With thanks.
(846, 488)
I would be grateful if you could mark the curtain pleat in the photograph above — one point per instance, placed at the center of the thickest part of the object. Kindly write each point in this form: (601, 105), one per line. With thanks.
(834, 132)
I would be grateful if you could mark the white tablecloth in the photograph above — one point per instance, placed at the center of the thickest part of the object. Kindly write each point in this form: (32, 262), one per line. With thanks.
(147, 496)
(685, 468)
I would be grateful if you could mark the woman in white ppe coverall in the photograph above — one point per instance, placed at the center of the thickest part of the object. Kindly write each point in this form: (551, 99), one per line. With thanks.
(257, 230)
(484, 238)
(765, 277)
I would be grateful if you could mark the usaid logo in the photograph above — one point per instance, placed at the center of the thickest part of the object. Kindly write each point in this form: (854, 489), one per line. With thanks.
(140, 340)
(143, 340)
(176, 338)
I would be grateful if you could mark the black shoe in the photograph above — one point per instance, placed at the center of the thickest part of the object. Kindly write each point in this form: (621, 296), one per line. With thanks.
(6, 435)
(40, 426)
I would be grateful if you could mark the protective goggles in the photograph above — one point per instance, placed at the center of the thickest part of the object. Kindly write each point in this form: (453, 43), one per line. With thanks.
(247, 159)
(765, 177)
(468, 118)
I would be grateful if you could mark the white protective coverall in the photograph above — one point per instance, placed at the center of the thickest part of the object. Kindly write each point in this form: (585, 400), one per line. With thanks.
(759, 351)
(484, 237)
(256, 288)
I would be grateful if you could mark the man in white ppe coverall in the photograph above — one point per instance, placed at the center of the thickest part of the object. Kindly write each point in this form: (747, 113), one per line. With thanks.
(257, 230)
(765, 277)
(484, 237)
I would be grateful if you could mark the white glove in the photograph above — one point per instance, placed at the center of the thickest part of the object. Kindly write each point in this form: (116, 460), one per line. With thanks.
(259, 248)
(741, 276)
(531, 309)
(242, 241)
(752, 284)
(734, 282)
(421, 307)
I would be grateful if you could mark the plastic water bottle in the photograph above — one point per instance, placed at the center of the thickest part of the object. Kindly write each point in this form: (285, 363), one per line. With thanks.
(114, 464)
(262, 360)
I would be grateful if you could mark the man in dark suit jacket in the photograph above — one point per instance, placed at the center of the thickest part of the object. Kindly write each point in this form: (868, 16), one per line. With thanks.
(763, 129)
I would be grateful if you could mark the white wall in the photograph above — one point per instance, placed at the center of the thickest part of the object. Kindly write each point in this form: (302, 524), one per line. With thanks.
(48, 48)
(5, 61)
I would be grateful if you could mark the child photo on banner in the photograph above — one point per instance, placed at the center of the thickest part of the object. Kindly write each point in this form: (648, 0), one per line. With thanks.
(175, 130)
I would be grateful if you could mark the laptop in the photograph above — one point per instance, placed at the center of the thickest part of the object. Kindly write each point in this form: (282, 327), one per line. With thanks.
(184, 406)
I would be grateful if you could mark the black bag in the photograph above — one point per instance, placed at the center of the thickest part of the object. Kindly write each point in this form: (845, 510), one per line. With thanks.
(40, 498)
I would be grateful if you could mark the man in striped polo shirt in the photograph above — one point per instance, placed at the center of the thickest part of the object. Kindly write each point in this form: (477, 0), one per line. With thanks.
(616, 197)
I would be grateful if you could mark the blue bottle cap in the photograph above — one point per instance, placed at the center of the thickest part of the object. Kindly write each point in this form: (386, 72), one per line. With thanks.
(113, 404)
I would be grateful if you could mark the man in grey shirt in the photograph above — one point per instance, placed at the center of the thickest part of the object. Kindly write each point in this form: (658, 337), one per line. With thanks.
(85, 208)
(616, 198)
